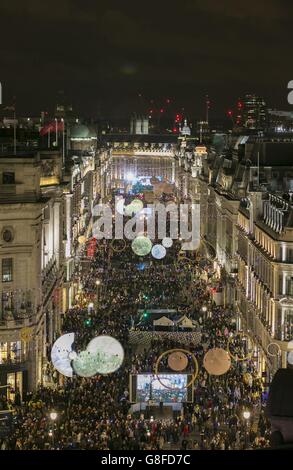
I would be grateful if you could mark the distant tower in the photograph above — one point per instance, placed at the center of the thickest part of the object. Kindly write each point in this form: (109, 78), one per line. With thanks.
(185, 129)
(208, 103)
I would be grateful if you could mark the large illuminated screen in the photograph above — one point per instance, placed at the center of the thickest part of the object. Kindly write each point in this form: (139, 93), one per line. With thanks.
(148, 387)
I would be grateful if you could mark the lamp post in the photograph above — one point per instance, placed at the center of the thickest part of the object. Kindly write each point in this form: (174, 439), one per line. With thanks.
(53, 417)
(98, 284)
(246, 416)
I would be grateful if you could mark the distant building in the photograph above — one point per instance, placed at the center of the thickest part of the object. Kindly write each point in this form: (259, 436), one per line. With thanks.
(31, 256)
(246, 195)
(253, 113)
(280, 121)
(139, 125)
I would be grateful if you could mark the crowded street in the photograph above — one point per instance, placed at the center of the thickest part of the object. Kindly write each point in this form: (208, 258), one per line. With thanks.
(226, 411)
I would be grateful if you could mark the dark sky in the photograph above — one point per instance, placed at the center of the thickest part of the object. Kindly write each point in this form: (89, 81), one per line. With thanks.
(104, 53)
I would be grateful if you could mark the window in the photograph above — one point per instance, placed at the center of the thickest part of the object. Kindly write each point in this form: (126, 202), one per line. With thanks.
(3, 353)
(289, 286)
(8, 177)
(289, 255)
(7, 264)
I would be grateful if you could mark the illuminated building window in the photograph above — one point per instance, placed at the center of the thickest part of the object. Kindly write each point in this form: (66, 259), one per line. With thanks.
(7, 269)
(10, 352)
(3, 353)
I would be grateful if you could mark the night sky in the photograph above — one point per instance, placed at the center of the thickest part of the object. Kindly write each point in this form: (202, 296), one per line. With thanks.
(105, 53)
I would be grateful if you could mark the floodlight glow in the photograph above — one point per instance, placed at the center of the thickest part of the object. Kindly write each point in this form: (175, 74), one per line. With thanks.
(130, 177)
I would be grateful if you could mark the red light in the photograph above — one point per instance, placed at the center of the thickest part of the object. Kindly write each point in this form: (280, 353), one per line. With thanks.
(240, 104)
(230, 113)
(174, 130)
(161, 110)
(168, 101)
(151, 110)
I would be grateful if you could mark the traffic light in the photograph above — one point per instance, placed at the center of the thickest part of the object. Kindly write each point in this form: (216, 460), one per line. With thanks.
(145, 314)
(88, 322)
(146, 297)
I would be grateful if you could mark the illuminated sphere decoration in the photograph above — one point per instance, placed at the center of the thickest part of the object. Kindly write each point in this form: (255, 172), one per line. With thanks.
(177, 361)
(217, 361)
(61, 354)
(141, 245)
(109, 353)
(85, 364)
(290, 358)
(167, 242)
(134, 207)
(158, 251)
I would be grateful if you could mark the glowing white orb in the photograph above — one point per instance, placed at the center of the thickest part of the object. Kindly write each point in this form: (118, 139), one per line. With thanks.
(141, 245)
(134, 207)
(158, 251)
(167, 242)
(85, 364)
(290, 357)
(109, 353)
(61, 350)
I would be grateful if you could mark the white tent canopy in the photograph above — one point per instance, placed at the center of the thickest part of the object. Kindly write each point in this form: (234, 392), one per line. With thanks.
(186, 322)
(163, 321)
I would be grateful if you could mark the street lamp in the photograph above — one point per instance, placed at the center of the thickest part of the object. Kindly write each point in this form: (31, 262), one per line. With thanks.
(246, 416)
(98, 282)
(53, 415)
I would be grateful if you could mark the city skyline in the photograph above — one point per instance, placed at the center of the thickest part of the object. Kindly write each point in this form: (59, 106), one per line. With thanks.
(104, 57)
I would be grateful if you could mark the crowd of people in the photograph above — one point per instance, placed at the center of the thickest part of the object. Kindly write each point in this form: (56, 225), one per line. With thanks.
(95, 413)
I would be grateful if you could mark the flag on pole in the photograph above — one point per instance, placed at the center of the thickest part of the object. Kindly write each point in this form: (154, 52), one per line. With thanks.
(51, 127)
